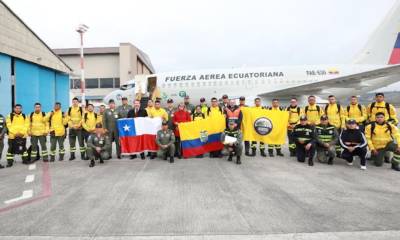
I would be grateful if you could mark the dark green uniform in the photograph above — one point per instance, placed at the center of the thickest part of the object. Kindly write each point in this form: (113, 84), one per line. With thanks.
(98, 141)
(170, 117)
(3, 130)
(123, 111)
(326, 134)
(166, 138)
(110, 118)
(237, 147)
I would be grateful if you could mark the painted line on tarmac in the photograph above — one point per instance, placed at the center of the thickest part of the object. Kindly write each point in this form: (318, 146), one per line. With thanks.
(25, 195)
(32, 166)
(30, 178)
(46, 191)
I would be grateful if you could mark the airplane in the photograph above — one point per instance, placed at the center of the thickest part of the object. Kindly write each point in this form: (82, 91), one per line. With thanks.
(376, 66)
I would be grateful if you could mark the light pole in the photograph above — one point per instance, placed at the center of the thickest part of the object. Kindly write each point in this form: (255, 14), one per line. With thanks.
(81, 29)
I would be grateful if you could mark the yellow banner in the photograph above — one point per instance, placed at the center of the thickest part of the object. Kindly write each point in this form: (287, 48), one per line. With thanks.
(264, 125)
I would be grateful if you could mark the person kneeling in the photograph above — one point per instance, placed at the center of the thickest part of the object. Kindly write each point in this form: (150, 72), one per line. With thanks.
(97, 145)
(233, 144)
(304, 137)
(326, 137)
(354, 143)
(165, 140)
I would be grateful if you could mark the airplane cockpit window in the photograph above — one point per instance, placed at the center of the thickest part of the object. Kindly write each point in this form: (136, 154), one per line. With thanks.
(127, 86)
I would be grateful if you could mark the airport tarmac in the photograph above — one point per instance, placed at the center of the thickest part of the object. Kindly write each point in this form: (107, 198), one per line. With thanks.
(264, 198)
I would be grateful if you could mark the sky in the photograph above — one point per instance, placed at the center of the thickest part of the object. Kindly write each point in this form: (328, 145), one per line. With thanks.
(207, 34)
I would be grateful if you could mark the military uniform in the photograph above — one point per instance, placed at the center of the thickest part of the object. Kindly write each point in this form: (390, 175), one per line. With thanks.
(237, 147)
(17, 124)
(303, 135)
(294, 117)
(3, 130)
(39, 129)
(166, 138)
(326, 134)
(57, 123)
(189, 107)
(75, 116)
(101, 141)
(110, 118)
(123, 111)
(170, 112)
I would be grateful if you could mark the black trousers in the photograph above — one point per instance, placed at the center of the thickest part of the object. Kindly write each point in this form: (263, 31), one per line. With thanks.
(360, 152)
(178, 152)
(302, 153)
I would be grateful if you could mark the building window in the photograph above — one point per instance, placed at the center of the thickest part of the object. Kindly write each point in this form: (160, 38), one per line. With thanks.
(106, 83)
(116, 83)
(75, 83)
(92, 83)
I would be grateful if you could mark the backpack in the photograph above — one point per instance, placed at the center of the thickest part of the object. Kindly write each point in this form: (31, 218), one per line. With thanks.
(280, 108)
(70, 108)
(297, 108)
(337, 105)
(51, 116)
(12, 116)
(318, 109)
(86, 116)
(387, 106)
(43, 115)
(209, 110)
(359, 108)
(373, 124)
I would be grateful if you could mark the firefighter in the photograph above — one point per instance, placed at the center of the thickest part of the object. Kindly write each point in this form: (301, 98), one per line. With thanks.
(257, 104)
(312, 111)
(198, 114)
(215, 110)
(110, 118)
(75, 116)
(357, 112)
(381, 106)
(380, 136)
(150, 107)
(17, 125)
(137, 111)
(242, 102)
(354, 143)
(38, 130)
(124, 108)
(188, 106)
(326, 140)
(233, 113)
(3, 131)
(304, 137)
(204, 106)
(101, 112)
(97, 145)
(236, 148)
(337, 117)
(165, 141)
(158, 111)
(90, 119)
(294, 118)
(57, 128)
(181, 115)
(275, 107)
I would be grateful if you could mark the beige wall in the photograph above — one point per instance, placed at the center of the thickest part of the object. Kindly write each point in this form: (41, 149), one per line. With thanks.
(96, 66)
(18, 41)
(127, 58)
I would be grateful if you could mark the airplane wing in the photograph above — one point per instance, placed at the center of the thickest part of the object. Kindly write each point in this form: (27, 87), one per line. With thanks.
(368, 81)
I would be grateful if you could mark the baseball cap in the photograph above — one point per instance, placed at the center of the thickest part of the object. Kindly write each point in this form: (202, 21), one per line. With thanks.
(124, 98)
(111, 101)
(99, 125)
(324, 117)
(165, 123)
(202, 99)
(170, 100)
(224, 96)
(351, 121)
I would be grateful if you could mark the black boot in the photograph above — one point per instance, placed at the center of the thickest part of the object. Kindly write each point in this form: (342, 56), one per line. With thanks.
(52, 159)
(271, 152)
(142, 156)
(171, 159)
(101, 161)
(247, 153)
(61, 158)
(310, 162)
(395, 167)
(387, 159)
(83, 157)
(165, 157)
(72, 156)
(1, 166)
(330, 161)
(253, 153)
(92, 163)
(279, 152)
(10, 163)
(338, 154)
(292, 153)
(262, 152)
(230, 157)
(238, 160)
(133, 157)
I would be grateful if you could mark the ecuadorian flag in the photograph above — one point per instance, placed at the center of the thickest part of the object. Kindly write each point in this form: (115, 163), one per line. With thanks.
(262, 125)
(202, 136)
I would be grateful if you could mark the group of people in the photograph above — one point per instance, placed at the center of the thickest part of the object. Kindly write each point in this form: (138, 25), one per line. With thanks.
(329, 132)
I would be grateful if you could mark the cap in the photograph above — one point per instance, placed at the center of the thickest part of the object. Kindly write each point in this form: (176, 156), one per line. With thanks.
(303, 118)
(324, 117)
(224, 96)
(351, 121)
(111, 101)
(124, 98)
(202, 99)
(99, 125)
(379, 114)
(164, 123)
(242, 98)
(170, 100)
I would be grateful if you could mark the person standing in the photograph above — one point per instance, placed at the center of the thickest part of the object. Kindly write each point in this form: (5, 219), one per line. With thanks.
(354, 143)
(242, 104)
(3, 131)
(38, 130)
(97, 145)
(233, 113)
(170, 111)
(150, 107)
(337, 117)
(312, 111)
(137, 111)
(158, 111)
(17, 125)
(380, 106)
(204, 106)
(257, 105)
(278, 147)
(357, 112)
(225, 102)
(75, 116)
(188, 106)
(101, 112)
(198, 114)
(304, 137)
(326, 140)
(110, 118)
(90, 119)
(215, 110)
(180, 116)
(165, 141)
(294, 118)
(57, 128)
(124, 108)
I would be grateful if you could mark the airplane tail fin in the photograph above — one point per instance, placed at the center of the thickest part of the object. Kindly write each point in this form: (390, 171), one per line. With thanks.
(384, 45)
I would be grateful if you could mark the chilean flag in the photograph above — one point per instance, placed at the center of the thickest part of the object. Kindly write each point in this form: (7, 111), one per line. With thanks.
(137, 135)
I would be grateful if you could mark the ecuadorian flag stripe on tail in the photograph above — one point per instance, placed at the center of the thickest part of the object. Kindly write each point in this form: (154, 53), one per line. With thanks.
(395, 57)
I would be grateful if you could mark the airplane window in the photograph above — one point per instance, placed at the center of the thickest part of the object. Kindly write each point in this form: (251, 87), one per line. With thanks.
(263, 81)
(256, 82)
(204, 83)
(186, 84)
(198, 84)
(215, 83)
(175, 84)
